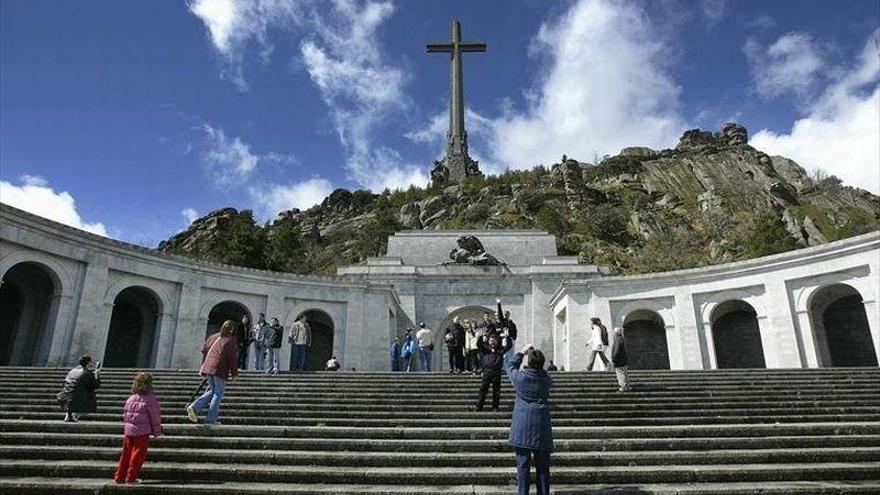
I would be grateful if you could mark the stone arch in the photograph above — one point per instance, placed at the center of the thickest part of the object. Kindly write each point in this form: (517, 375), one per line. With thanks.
(441, 361)
(133, 336)
(29, 301)
(225, 310)
(323, 333)
(736, 335)
(646, 343)
(840, 326)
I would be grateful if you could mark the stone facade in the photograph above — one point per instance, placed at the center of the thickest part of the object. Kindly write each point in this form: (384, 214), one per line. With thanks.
(63, 287)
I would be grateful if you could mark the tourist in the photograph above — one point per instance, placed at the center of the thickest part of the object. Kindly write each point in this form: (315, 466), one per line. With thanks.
(409, 350)
(301, 339)
(78, 396)
(243, 340)
(492, 359)
(552, 367)
(262, 336)
(597, 343)
(472, 352)
(274, 347)
(141, 417)
(426, 346)
(488, 324)
(333, 364)
(454, 338)
(619, 358)
(395, 354)
(531, 432)
(220, 364)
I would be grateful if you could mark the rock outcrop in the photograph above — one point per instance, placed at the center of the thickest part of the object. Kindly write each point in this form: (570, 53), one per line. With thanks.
(711, 192)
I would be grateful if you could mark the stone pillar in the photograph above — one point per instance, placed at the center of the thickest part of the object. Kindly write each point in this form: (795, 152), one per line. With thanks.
(779, 336)
(59, 325)
(93, 316)
(693, 355)
(190, 329)
(167, 328)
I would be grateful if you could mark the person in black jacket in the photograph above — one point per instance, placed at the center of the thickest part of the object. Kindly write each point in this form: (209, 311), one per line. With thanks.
(77, 397)
(243, 340)
(454, 339)
(492, 359)
(619, 358)
(274, 347)
(504, 322)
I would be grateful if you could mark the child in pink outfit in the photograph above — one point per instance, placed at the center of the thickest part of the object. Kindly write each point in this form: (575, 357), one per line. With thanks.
(142, 417)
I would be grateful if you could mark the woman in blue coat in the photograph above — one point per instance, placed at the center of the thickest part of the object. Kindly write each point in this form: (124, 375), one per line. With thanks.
(531, 434)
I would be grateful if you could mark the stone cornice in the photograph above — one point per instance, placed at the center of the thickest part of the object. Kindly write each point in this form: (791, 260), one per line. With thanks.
(80, 238)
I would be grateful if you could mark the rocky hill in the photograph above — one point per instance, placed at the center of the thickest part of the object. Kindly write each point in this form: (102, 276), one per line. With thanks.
(712, 199)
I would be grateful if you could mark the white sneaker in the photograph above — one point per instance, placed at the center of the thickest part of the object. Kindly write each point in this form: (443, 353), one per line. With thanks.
(191, 414)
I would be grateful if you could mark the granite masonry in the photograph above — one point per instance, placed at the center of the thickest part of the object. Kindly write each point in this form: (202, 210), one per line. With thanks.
(66, 292)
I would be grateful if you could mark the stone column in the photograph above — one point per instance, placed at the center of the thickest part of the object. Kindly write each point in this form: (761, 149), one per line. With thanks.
(778, 334)
(190, 329)
(167, 328)
(92, 325)
(691, 346)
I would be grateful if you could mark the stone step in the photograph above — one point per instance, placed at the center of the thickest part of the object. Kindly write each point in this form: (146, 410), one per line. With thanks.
(422, 475)
(453, 459)
(202, 440)
(563, 432)
(100, 486)
(414, 422)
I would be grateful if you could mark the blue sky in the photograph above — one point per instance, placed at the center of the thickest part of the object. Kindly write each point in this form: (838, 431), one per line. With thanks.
(129, 118)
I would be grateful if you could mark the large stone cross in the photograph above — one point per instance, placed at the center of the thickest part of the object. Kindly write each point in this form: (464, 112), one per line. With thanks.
(457, 164)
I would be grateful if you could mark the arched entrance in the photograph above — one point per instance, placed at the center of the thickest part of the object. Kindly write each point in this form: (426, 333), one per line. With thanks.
(840, 325)
(227, 310)
(646, 346)
(737, 336)
(27, 313)
(441, 355)
(322, 340)
(133, 329)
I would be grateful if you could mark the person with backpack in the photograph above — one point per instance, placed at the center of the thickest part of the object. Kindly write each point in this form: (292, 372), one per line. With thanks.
(408, 353)
(273, 348)
(142, 417)
(620, 360)
(78, 397)
(597, 344)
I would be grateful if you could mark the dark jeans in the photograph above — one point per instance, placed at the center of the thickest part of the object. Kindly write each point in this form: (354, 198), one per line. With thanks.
(242, 357)
(542, 469)
(456, 359)
(395, 364)
(490, 377)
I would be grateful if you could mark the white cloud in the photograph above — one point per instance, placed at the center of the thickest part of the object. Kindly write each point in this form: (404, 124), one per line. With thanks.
(714, 10)
(234, 26)
(340, 50)
(229, 159)
(606, 87)
(274, 198)
(841, 131)
(35, 196)
(190, 214)
(792, 64)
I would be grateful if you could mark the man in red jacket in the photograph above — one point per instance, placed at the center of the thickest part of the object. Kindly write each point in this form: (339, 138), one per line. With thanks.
(221, 364)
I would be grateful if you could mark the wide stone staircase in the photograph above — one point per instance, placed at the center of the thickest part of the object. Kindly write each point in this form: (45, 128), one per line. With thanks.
(688, 432)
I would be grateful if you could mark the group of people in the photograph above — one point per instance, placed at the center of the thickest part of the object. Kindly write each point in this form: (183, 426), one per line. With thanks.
(530, 431)
(263, 342)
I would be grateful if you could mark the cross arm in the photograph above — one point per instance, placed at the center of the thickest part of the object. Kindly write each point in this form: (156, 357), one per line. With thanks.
(440, 47)
(472, 47)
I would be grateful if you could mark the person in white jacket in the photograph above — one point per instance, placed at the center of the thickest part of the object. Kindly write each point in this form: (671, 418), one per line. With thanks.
(263, 334)
(425, 340)
(597, 344)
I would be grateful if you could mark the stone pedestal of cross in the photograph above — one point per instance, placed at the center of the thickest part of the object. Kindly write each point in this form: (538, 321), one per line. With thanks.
(457, 164)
